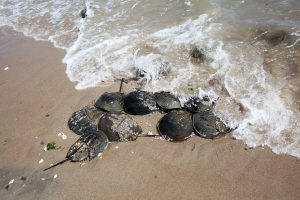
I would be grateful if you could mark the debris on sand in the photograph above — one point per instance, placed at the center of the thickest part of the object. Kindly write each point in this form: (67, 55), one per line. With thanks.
(62, 135)
(51, 145)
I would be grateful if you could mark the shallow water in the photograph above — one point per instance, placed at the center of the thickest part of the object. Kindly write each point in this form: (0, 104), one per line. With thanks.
(253, 74)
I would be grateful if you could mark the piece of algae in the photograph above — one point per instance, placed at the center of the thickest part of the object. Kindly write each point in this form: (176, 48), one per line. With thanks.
(51, 145)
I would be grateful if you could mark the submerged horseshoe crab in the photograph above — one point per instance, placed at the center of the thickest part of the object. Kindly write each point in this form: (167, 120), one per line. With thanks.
(139, 103)
(176, 125)
(167, 101)
(111, 101)
(207, 125)
(88, 146)
(119, 127)
(84, 119)
(195, 104)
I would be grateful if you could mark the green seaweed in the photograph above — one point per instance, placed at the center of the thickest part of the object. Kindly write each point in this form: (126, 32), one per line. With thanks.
(51, 145)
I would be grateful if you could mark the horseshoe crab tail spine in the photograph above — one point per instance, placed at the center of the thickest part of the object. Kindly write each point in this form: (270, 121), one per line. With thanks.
(147, 135)
(122, 80)
(59, 163)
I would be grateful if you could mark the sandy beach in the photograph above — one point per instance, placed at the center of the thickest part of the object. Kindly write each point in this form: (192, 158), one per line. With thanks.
(36, 101)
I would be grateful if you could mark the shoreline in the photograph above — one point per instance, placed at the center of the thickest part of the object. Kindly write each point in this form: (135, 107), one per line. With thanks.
(35, 85)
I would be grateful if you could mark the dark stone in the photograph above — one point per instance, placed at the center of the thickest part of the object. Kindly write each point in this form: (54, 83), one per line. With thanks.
(23, 178)
(197, 54)
(83, 13)
(47, 115)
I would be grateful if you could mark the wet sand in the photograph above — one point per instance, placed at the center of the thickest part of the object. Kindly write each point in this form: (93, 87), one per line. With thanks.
(36, 101)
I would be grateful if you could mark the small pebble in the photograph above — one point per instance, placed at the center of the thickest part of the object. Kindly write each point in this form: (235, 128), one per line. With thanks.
(45, 148)
(55, 176)
(132, 152)
(23, 178)
(41, 161)
(11, 181)
(6, 68)
(43, 179)
(116, 147)
(99, 154)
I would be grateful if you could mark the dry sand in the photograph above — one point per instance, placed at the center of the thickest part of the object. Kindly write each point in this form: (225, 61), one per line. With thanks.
(35, 86)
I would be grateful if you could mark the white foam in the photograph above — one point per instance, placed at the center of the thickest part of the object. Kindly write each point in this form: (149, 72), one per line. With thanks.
(268, 118)
(53, 20)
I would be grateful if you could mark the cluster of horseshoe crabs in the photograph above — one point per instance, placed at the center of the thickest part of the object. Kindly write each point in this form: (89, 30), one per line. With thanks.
(109, 120)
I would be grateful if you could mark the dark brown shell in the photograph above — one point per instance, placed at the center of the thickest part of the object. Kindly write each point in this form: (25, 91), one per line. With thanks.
(111, 101)
(176, 125)
(84, 119)
(88, 146)
(167, 101)
(139, 103)
(119, 127)
(207, 125)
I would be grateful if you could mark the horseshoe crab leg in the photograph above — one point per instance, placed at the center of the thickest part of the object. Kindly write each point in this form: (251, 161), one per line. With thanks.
(147, 135)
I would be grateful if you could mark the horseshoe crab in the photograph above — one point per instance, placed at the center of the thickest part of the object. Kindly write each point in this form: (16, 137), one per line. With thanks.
(176, 125)
(195, 104)
(84, 119)
(88, 146)
(167, 101)
(111, 101)
(207, 125)
(139, 103)
(119, 127)
(276, 37)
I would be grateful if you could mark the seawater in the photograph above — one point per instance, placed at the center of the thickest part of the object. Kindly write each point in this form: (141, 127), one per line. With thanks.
(256, 82)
